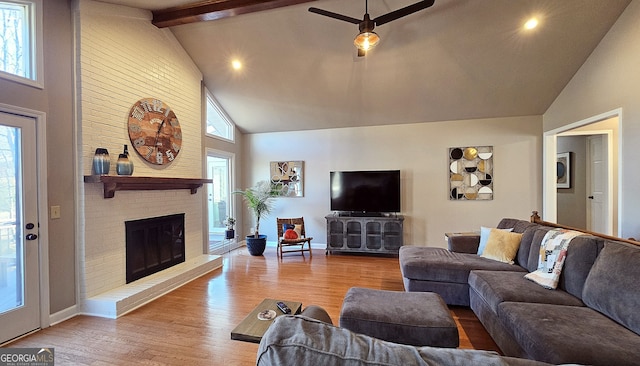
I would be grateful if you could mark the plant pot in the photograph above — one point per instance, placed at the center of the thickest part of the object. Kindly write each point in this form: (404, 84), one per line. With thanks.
(229, 234)
(257, 245)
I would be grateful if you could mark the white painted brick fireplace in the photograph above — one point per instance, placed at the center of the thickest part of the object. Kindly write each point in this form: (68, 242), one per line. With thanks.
(122, 59)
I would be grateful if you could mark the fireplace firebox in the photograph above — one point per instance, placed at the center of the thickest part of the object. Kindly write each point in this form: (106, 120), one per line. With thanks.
(154, 244)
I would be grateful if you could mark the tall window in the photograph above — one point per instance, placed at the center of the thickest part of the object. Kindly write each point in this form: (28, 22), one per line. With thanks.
(220, 202)
(218, 122)
(21, 41)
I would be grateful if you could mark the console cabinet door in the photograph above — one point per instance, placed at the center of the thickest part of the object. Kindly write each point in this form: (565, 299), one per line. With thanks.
(335, 234)
(364, 234)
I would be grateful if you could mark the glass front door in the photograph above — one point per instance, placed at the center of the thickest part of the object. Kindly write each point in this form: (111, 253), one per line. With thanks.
(19, 277)
(220, 203)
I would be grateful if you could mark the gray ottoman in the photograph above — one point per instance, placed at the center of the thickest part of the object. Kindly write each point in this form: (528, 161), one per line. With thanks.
(414, 318)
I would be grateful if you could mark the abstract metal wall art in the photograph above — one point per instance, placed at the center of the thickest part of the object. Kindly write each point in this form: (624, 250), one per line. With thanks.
(287, 175)
(471, 173)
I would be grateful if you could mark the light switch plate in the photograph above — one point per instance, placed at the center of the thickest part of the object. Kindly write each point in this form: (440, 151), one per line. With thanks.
(54, 212)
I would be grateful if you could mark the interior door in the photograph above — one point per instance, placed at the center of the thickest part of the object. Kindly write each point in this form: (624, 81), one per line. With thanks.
(19, 247)
(597, 185)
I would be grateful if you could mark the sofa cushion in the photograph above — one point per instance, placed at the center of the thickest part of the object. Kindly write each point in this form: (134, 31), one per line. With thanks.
(613, 284)
(502, 246)
(496, 287)
(582, 253)
(522, 258)
(553, 253)
(569, 334)
(441, 265)
(519, 226)
(296, 340)
(534, 250)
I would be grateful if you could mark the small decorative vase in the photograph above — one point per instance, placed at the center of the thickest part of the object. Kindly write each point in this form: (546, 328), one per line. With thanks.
(101, 162)
(229, 234)
(256, 246)
(124, 166)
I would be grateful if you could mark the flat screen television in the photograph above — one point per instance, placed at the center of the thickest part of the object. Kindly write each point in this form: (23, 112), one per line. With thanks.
(365, 192)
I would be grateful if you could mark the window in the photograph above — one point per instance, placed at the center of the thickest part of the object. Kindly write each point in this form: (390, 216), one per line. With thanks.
(218, 123)
(21, 41)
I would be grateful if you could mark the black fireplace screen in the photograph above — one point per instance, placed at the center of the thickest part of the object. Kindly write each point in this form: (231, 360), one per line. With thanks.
(153, 244)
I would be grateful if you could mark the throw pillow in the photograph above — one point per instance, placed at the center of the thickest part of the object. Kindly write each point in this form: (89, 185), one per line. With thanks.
(290, 234)
(298, 230)
(484, 236)
(286, 227)
(502, 246)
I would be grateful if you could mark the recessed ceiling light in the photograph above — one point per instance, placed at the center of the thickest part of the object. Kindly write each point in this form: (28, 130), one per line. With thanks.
(236, 64)
(531, 23)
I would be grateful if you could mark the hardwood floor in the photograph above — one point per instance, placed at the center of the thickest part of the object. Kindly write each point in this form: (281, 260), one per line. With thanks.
(192, 324)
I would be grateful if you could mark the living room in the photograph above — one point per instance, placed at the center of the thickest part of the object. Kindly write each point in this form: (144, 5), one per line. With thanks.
(604, 83)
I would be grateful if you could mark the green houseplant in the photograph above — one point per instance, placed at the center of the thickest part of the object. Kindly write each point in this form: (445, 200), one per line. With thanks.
(259, 200)
(230, 233)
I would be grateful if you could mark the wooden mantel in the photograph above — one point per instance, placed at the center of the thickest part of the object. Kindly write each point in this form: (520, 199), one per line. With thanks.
(113, 183)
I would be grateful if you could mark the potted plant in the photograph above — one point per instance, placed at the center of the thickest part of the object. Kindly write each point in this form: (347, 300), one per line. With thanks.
(230, 233)
(259, 199)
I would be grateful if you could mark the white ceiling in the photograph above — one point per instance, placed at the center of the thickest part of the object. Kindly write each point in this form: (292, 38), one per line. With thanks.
(459, 59)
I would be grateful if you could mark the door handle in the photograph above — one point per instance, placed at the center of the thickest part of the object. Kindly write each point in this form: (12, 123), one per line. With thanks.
(590, 197)
(32, 236)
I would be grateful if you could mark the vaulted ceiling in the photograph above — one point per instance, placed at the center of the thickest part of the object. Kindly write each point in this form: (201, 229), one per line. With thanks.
(459, 59)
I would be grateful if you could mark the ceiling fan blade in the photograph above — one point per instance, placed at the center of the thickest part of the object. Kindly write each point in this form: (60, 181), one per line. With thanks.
(396, 14)
(333, 15)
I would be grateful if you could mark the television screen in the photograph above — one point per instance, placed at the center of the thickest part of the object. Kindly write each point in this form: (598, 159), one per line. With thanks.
(365, 191)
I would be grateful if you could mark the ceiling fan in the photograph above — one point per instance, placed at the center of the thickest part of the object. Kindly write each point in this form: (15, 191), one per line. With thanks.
(367, 38)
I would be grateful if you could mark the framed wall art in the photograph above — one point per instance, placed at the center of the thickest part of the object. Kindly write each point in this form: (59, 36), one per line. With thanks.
(471, 173)
(563, 170)
(289, 176)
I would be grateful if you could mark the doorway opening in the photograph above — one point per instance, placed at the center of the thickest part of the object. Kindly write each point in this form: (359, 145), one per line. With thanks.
(594, 195)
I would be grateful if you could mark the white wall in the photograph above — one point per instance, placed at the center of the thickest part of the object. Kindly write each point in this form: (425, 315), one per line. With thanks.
(122, 59)
(420, 151)
(609, 80)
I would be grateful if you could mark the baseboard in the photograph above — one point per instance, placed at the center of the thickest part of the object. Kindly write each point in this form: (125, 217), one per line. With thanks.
(63, 315)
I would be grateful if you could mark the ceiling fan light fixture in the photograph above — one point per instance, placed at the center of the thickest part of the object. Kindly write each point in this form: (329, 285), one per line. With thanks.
(366, 40)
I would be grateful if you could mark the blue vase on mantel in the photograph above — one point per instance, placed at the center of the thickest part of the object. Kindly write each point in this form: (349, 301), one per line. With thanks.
(124, 166)
(101, 162)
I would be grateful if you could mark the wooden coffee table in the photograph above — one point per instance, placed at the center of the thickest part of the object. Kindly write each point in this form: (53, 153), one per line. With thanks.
(252, 329)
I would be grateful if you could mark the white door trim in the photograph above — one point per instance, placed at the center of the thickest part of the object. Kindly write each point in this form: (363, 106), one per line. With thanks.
(43, 217)
(549, 147)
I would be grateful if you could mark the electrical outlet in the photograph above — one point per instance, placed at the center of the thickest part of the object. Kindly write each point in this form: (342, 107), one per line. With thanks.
(54, 212)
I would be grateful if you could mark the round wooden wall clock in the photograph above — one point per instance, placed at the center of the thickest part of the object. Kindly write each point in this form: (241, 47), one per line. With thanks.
(154, 131)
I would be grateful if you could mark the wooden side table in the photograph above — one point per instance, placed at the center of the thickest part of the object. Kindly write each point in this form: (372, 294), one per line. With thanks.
(251, 329)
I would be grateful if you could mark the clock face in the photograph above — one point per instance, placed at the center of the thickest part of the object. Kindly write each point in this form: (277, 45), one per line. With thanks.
(154, 131)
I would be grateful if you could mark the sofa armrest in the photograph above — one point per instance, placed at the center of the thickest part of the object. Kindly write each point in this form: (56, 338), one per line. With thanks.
(463, 242)
(317, 313)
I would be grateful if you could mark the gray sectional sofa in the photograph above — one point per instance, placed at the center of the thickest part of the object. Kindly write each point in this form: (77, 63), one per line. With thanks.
(592, 317)
(302, 340)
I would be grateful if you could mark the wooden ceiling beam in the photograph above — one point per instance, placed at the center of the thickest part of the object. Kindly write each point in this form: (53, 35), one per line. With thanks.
(215, 9)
